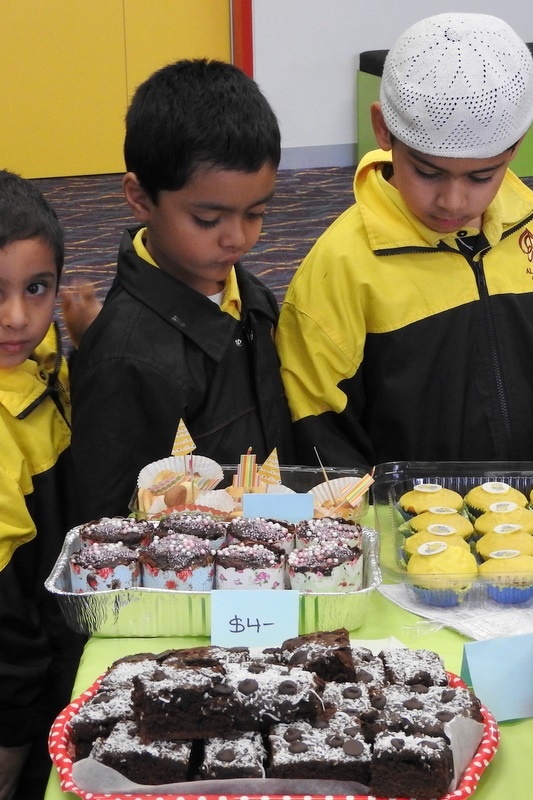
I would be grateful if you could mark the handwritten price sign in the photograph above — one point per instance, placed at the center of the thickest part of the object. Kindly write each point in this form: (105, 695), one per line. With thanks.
(253, 618)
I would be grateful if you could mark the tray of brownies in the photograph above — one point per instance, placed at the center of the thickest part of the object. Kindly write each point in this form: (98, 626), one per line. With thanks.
(317, 716)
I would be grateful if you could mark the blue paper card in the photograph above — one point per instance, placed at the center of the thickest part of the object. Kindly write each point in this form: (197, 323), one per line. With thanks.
(499, 671)
(253, 618)
(289, 507)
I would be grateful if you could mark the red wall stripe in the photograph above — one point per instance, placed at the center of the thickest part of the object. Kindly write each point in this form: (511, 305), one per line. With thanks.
(241, 35)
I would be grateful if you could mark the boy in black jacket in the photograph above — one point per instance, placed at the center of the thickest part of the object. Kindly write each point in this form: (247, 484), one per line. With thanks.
(185, 331)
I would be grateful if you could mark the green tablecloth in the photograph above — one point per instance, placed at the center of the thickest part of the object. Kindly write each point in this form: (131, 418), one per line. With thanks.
(510, 774)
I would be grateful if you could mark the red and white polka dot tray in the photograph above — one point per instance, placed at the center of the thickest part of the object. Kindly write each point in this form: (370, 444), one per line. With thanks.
(59, 740)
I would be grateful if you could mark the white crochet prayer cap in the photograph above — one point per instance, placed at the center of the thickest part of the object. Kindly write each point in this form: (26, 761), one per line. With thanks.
(458, 85)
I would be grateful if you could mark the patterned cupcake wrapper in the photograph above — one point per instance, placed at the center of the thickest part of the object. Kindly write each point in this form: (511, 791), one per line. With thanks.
(121, 576)
(197, 579)
(346, 577)
(271, 577)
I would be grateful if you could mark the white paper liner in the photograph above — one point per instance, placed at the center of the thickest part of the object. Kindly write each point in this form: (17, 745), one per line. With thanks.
(214, 500)
(324, 505)
(204, 466)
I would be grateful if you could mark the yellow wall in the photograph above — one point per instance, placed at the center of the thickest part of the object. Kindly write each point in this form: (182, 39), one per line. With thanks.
(184, 29)
(69, 67)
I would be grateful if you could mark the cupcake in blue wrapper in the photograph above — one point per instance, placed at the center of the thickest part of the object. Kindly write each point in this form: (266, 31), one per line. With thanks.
(440, 515)
(508, 577)
(435, 533)
(479, 499)
(506, 515)
(441, 575)
(502, 539)
(423, 496)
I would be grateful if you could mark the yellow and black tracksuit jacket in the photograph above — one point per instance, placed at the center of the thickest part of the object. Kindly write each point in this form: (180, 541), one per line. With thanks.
(397, 342)
(36, 510)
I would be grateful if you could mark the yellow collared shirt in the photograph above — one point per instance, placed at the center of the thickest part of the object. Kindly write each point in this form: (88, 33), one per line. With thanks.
(231, 299)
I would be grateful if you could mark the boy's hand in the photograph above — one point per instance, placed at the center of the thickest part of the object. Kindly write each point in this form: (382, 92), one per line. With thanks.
(80, 306)
(11, 763)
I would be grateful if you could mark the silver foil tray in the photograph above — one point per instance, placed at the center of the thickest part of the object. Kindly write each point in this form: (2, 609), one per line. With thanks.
(161, 612)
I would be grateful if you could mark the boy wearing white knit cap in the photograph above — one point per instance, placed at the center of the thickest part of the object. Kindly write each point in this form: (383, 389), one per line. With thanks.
(407, 332)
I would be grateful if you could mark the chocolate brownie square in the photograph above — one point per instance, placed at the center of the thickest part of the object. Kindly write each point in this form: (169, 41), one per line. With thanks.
(148, 763)
(410, 766)
(301, 751)
(352, 698)
(417, 710)
(180, 703)
(406, 666)
(239, 756)
(327, 654)
(97, 717)
(265, 694)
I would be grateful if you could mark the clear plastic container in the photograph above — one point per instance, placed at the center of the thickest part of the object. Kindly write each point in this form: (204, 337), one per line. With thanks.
(393, 479)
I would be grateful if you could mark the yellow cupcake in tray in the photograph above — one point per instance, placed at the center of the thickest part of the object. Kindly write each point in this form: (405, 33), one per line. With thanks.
(424, 496)
(438, 533)
(440, 575)
(519, 541)
(505, 516)
(508, 576)
(480, 498)
(440, 515)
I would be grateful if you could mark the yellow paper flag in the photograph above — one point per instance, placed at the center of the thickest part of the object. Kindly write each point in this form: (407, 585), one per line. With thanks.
(183, 442)
(269, 472)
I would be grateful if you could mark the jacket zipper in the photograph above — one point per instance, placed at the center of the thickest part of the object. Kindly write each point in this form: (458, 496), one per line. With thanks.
(479, 274)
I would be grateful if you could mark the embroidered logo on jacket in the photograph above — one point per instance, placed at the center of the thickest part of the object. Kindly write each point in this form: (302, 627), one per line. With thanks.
(526, 244)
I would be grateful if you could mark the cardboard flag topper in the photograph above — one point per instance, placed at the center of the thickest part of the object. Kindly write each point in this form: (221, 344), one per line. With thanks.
(183, 442)
(270, 473)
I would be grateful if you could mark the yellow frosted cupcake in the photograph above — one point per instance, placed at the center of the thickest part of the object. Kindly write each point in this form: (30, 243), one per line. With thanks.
(504, 515)
(427, 495)
(519, 541)
(442, 515)
(508, 576)
(480, 498)
(441, 575)
(443, 534)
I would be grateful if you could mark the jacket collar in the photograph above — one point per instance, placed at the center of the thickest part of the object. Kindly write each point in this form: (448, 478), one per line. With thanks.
(24, 388)
(192, 313)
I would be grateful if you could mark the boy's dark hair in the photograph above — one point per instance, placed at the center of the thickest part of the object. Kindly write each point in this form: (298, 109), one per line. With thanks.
(195, 113)
(26, 214)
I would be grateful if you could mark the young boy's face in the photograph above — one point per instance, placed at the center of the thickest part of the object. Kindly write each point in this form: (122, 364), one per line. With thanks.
(447, 194)
(28, 280)
(198, 232)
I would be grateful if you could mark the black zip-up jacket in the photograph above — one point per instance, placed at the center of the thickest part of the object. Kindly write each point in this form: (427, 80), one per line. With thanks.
(158, 352)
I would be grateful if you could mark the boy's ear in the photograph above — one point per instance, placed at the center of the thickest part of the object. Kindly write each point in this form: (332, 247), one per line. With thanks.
(381, 132)
(136, 197)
